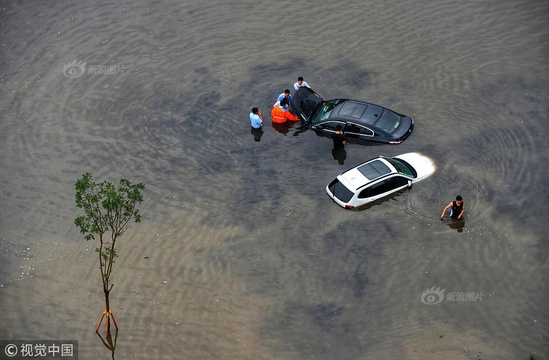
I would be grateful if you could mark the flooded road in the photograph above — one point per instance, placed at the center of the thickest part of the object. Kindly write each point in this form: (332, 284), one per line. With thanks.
(240, 253)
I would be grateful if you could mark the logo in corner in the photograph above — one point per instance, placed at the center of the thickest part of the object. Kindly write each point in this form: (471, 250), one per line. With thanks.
(432, 296)
(74, 69)
(10, 350)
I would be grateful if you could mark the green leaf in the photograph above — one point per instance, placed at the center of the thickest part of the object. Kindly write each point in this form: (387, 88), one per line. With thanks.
(106, 209)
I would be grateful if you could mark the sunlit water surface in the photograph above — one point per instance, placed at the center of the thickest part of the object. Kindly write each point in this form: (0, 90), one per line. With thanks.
(240, 253)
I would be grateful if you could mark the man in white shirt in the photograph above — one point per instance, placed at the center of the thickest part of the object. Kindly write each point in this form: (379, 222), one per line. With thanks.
(300, 83)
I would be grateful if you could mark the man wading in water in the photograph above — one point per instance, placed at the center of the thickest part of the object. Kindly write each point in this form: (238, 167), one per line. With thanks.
(338, 152)
(457, 208)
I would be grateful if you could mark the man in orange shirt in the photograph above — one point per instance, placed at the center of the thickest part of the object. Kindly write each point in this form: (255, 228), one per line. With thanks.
(281, 113)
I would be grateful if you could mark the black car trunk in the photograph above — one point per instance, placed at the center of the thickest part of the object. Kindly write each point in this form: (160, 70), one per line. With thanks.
(405, 129)
(304, 102)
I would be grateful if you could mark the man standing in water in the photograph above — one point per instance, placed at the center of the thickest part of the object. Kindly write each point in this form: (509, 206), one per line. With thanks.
(339, 139)
(300, 83)
(338, 152)
(457, 208)
(256, 119)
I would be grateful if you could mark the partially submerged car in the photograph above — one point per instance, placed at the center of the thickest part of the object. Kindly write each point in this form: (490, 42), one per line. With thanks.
(379, 177)
(359, 120)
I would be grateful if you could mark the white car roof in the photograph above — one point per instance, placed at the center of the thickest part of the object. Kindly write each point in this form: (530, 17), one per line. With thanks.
(355, 178)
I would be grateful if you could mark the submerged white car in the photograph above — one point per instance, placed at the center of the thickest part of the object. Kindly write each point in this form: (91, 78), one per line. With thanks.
(379, 177)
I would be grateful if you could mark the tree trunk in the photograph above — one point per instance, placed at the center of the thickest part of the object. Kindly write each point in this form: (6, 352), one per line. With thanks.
(108, 316)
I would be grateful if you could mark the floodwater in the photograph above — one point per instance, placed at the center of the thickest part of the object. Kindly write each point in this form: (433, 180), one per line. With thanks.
(240, 253)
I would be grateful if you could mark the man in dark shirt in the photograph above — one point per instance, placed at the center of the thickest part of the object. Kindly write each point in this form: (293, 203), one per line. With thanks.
(339, 139)
(457, 208)
(338, 152)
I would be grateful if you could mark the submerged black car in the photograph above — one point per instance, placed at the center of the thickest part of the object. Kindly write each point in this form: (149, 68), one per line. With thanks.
(359, 120)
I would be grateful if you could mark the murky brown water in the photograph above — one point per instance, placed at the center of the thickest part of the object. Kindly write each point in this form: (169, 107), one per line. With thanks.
(240, 253)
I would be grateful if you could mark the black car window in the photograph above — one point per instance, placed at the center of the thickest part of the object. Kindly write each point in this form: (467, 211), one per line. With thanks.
(383, 186)
(372, 113)
(340, 191)
(323, 112)
(357, 129)
(359, 110)
(352, 109)
(374, 169)
(347, 108)
(331, 125)
(388, 121)
(402, 167)
(399, 181)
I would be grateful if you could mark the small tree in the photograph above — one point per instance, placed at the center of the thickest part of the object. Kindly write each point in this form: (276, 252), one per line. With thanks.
(107, 211)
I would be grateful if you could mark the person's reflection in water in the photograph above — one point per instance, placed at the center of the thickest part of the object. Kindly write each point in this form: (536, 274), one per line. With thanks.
(457, 224)
(339, 155)
(282, 128)
(257, 133)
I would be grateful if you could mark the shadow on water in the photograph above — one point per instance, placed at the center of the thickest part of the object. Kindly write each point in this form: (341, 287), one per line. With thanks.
(339, 156)
(343, 288)
(302, 127)
(186, 131)
(317, 327)
(284, 128)
(257, 134)
(457, 225)
(353, 248)
(325, 314)
(108, 341)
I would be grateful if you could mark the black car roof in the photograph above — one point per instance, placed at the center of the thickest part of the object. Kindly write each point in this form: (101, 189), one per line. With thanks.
(358, 111)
